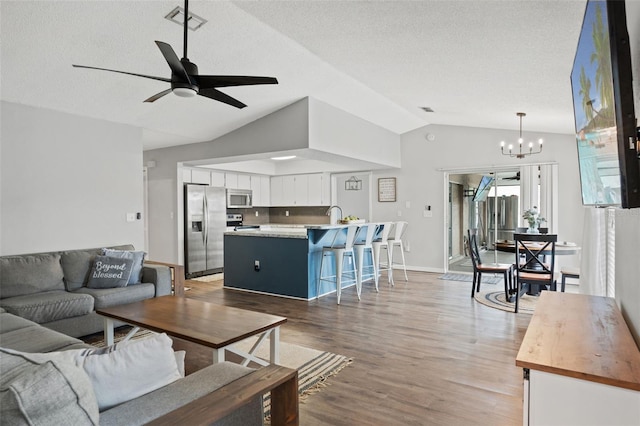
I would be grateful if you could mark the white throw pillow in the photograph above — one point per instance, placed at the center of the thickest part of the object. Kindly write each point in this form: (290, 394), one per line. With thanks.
(123, 371)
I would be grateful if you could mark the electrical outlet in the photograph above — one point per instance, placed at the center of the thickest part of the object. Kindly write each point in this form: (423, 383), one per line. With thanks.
(427, 213)
(257, 214)
(399, 213)
(407, 246)
(407, 204)
(286, 213)
(131, 217)
(256, 265)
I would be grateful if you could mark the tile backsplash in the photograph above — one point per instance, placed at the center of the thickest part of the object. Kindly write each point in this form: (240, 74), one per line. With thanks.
(297, 215)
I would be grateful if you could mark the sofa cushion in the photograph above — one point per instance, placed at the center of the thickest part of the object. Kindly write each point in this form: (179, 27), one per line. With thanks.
(123, 371)
(76, 265)
(106, 297)
(43, 393)
(109, 272)
(136, 256)
(29, 274)
(164, 400)
(49, 305)
(35, 338)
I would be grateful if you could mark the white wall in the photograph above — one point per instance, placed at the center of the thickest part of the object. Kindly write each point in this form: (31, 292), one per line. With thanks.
(67, 181)
(421, 182)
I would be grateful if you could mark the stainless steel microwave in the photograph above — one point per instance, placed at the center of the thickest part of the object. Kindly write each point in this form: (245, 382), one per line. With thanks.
(239, 198)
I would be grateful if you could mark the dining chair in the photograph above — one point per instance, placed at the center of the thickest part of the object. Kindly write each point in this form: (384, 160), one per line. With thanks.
(395, 241)
(338, 251)
(568, 272)
(506, 269)
(534, 270)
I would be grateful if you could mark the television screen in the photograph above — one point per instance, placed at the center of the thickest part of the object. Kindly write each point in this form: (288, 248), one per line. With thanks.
(601, 81)
(483, 188)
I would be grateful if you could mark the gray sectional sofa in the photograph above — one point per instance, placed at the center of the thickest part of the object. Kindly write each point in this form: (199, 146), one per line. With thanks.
(220, 394)
(50, 289)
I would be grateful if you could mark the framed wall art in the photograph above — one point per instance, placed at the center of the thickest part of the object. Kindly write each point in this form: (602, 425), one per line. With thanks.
(386, 190)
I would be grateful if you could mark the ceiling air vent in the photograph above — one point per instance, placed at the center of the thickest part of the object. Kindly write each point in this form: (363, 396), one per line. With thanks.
(427, 109)
(193, 22)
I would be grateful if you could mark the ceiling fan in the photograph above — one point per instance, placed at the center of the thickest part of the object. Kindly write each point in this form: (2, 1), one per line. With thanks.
(185, 80)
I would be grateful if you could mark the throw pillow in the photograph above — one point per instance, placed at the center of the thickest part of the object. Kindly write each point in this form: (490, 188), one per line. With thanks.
(125, 370)
(109, 272)
(136, 256)
(52, 392)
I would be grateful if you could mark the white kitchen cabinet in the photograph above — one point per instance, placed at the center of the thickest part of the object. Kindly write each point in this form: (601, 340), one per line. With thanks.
(260, 186)
(276, 184)
(231, 180)
(244, 181)
(201, 176)
(265, 190)
(186, 175)
(319, 190)
(217, 178)
(301, 190)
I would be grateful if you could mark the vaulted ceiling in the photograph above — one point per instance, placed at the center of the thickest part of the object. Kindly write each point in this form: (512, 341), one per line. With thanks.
(475, 63)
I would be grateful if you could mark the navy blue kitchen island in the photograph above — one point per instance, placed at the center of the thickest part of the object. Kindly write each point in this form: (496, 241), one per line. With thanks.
(279, 260)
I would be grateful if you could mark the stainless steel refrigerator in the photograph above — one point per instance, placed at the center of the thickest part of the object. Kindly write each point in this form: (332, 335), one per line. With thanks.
(507, 219)
(205, 223)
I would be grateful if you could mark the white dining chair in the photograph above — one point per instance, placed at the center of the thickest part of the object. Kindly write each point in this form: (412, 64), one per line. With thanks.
(396, 241)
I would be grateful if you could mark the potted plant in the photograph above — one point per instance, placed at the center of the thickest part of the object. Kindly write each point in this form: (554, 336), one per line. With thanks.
(533, 218)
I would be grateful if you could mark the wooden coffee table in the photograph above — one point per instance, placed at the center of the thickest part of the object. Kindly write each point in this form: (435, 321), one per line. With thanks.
(204, 323)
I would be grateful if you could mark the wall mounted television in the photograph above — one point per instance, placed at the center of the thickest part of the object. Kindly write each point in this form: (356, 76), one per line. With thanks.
(603, 105)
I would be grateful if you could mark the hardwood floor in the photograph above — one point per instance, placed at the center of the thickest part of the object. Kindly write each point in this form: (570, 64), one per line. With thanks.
(424, 352)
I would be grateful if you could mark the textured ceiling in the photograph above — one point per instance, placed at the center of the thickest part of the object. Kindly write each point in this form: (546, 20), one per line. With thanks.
(476, 63)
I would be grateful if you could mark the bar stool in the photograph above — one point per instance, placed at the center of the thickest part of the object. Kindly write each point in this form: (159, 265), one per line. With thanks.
(381, 243)
(396, 241)
(339, 250)
(360, 248)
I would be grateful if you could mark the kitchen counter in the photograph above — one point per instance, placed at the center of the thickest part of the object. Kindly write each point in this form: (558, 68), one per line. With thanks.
(284, 230)
(280, 259)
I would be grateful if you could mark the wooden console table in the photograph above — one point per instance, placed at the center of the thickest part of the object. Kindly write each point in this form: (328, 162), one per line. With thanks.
(177, 276)
(581, 363)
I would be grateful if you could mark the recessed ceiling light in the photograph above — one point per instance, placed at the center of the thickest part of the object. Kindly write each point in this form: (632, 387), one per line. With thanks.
(284, 157)
(177, 15)
(427, 109)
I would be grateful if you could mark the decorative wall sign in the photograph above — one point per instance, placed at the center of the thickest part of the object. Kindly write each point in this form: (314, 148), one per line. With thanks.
(386, 190)
(353, 184)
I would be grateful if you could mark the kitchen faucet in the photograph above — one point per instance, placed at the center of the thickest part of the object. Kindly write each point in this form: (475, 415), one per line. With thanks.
(328, 212)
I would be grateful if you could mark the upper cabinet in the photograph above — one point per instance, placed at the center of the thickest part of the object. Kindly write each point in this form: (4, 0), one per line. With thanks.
(301, 190)
(279, 191)
(201, 176)
(261, 188)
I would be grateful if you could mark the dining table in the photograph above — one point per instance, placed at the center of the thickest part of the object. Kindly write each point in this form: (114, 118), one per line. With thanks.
(562, 248)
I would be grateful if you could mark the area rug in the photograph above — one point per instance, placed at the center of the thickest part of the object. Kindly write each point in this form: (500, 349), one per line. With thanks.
(209, 278)
(497, 300)
(314, 367)
(486, 278)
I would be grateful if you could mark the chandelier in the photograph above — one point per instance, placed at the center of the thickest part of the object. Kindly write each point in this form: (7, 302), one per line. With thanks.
(520, 153)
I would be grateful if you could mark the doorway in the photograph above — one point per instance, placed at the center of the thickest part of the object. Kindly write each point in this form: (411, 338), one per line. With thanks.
(488, 200)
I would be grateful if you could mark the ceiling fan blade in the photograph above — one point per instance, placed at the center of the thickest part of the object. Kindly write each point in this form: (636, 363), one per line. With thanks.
(221, 97)
(174, 63)
(125, 72)
(158, 95)
(208, 81)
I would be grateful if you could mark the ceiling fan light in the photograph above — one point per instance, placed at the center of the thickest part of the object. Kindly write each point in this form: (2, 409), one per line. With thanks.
(183, 92)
